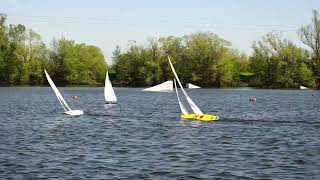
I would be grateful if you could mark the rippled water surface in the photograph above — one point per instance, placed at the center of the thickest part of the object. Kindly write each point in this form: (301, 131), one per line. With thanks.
(142, 137)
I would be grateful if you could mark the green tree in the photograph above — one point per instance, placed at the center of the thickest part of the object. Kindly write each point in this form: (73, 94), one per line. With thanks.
(277, 62)
(310, 36)
(77, 63)
(175, 48)
(3, 46)
(202, 58)
(122, 67)
(36, 58)
(205, 54)
(13, 71)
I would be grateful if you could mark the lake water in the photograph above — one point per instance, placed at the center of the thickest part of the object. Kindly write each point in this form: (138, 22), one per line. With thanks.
(143, 137)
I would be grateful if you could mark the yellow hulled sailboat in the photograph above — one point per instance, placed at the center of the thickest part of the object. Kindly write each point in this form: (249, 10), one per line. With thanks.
(197, 113)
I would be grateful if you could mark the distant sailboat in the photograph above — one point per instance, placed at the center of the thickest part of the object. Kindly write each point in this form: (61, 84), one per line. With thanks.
(163, 87)
(63, 103)
(109, 94)
(192, 86)
(198, 115)
(302, 87)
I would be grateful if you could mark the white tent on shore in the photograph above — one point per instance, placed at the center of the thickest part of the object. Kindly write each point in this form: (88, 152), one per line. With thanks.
(163, 87)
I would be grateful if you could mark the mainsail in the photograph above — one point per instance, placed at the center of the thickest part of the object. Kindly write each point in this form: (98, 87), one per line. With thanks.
(63, 103)
(109, 94)
(193, 106)
(57, 93)
(182, 108)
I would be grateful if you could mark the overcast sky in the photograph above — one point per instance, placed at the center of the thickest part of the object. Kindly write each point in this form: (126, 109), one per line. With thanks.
(107, 24)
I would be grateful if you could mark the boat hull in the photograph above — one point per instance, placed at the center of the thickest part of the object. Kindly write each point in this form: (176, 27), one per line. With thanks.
(204, 117)
(74, 113)
(111, 102)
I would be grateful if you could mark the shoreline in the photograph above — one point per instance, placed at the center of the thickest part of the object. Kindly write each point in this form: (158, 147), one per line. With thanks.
(226, 88)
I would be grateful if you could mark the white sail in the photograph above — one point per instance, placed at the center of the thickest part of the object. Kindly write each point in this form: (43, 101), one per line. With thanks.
(193, 106)
(165, 86)
(302, 87)
(57, 93)
(182, 108)
(192, 86)
(109, 94)
(63, 103)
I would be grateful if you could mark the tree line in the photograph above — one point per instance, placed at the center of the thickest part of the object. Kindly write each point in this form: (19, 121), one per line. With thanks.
(201, 58)
(205, 59)
(24, 56)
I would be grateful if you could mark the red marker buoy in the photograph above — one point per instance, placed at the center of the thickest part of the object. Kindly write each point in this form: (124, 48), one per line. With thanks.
(75, 97)
(253, 99)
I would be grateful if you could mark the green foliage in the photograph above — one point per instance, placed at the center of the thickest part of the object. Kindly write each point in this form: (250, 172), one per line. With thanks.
(77, 63)
(202, 58)
(12, 68)
(277, 62)
(310, 36)
(23, 57)
(207, 60)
